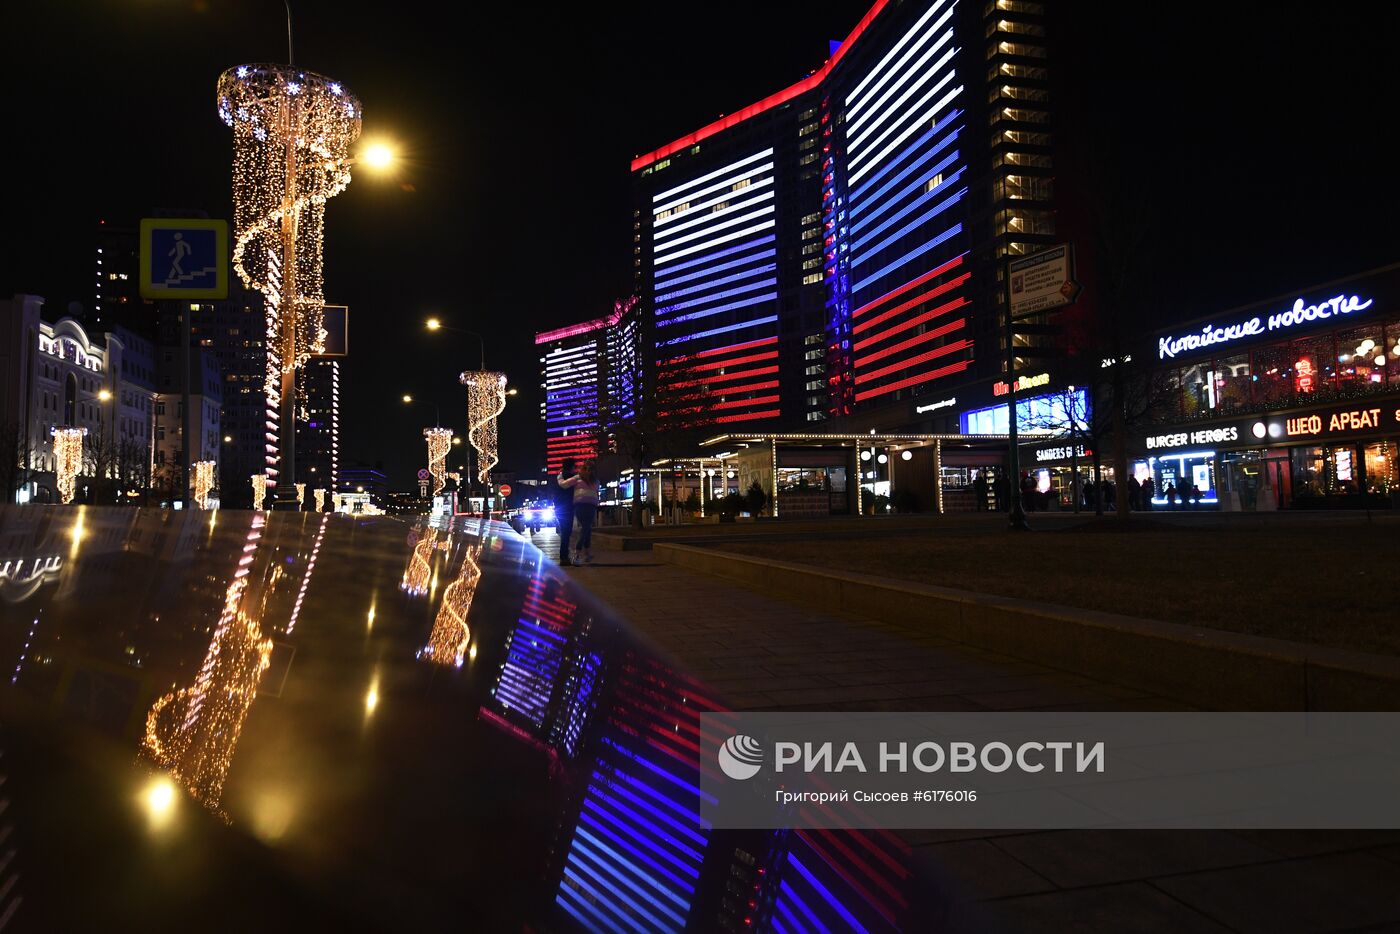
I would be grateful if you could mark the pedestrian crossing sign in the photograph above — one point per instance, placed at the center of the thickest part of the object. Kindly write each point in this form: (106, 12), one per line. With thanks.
(184, 257)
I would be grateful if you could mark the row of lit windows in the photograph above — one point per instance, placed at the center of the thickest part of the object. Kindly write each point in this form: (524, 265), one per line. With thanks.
(1016, 70)
(1030, 160)
(1022, 49)
(1025, 222)
(1017, 93)
(1014, 28)
(1027, 187)
(1015, 6)
(1018, 115)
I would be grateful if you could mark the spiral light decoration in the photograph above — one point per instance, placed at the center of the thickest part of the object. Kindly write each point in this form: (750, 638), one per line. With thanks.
(259, 491)
(292, 132)
(201, 482)
(335, 502)
(420, 564)
(448, 642)
(439, 444)
(192, 732)
(486, 400)
(320, 497)
(67, 460)
(301, 494)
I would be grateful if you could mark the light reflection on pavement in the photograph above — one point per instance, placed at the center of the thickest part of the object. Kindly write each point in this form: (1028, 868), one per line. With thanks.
(389, 754)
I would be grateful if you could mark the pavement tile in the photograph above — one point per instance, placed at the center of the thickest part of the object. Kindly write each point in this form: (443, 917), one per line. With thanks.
(1129, 907)
(1316, 842)
(977, 869)
(1076, 858)
(1320, 893)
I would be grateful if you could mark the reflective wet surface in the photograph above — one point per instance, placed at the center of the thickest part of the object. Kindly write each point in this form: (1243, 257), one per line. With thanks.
(219, 720)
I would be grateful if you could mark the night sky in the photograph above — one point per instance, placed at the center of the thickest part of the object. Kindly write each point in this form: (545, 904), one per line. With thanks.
(1260, 136)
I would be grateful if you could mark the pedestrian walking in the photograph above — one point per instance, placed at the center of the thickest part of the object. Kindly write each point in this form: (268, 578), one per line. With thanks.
(1134, 493)
(585, 509)
(564, 506)
(1148, 488)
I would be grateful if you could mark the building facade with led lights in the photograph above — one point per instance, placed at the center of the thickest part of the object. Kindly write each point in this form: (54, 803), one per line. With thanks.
(831, 253)
(318, 429)
(206, 425)
(54, 376)
(1290, 402)
(591, 376)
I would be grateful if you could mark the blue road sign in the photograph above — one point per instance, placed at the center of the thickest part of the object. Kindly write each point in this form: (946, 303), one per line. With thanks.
(183, 257)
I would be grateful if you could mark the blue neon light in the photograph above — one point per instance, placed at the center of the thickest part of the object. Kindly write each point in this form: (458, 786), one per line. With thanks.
(809, 921)
(912, 254)
(716, 296)
(742, 303)
(718, 254)
(924, 178)
(826, 894)
(724, 330)
(602, 869)
(859, 191)
(921, 219)
(705, 286)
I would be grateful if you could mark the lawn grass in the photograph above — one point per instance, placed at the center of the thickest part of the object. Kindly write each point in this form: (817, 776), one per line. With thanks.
(1331, 584)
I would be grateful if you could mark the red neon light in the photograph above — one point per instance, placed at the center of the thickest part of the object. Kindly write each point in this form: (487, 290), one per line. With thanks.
(740, 374)
(769, 355)
(902, 307)
(735, 403)
(913, 380)
(761, 342)
(749, 416)
(951, 264)
(768, 103)
(914, 341)
(912, 361)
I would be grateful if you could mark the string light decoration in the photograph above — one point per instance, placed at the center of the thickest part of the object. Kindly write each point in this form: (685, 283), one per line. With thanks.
(320, 497)
(335, 502)
(292, 133)
(67, 460)
(201, 482)
(301, 494)
(439, 444)
(192, 732)
(259, 491)
(420, 565)
(486, 400)
(448, 642)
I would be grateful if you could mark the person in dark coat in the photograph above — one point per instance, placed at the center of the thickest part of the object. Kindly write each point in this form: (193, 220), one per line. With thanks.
(979, 491)
(1134, 493)
(1148, 488)
(564, 505)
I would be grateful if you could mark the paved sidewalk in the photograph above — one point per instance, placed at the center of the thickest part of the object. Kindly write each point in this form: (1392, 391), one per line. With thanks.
(761, 653)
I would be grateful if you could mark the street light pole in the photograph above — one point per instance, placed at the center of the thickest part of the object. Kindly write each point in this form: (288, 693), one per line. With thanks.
(1017, 517)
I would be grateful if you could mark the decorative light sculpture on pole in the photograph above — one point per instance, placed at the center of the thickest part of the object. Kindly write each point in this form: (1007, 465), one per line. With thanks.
(486, 400)
(439, 444)
(301, 495)
(67, 460)
(201, 482)
(259, 491)
(320, 496)
(292, 134)
(447, 644)
(335, 502)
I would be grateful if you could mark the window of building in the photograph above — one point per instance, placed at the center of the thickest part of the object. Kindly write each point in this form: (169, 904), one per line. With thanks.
(934, 182)
(1025, 50)
(1018, 115)
(812, 279)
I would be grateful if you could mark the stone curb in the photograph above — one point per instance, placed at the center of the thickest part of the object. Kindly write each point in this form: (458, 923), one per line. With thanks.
(1204, 667)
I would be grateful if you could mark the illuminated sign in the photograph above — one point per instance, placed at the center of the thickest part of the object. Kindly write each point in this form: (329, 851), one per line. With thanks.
(1063, 453)
(1181, 439)
(935, 406)
(1022, 383)
(1300, 313)
(1342, 421)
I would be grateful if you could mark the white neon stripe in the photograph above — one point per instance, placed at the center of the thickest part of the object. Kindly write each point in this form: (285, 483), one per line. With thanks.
(708, 231)
(894, 124)
(704, 219)
(666, 221)
(724, 184)
(922, 77)
(902, 68)
(705, 178)
(880, 65)
(927, 119)
(766, 225)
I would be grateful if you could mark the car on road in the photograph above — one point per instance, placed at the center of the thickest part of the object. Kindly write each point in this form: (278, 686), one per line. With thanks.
(538, 516)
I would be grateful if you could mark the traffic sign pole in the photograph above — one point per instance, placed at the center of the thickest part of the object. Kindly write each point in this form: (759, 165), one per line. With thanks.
(1017, 516)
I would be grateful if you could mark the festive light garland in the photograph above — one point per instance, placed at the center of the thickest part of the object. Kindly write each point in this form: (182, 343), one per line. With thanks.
(68, 459)
(292, 132)
(193, 731)
(301, 494)
(486, 400)
(259, 490)
(201, 482)
(420, 568)
(447, 644)
(335, 502)
(439, 444)
(320, 497)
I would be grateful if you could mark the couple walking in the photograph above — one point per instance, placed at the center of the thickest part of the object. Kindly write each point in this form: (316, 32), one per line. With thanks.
(578, 499)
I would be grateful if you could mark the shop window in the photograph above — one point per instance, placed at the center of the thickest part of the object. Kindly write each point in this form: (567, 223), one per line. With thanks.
(1195, 390)
(1273, 376)
(1362, 359)
(1314, 368)
(1232, 383)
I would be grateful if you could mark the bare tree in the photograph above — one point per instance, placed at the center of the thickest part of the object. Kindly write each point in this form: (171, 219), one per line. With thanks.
(15, 456)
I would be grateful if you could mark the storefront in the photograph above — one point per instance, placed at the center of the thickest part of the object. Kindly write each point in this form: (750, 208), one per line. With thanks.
(1289, 404)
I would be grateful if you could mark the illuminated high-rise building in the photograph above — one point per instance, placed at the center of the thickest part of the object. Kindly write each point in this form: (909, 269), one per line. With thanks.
(832, 251)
